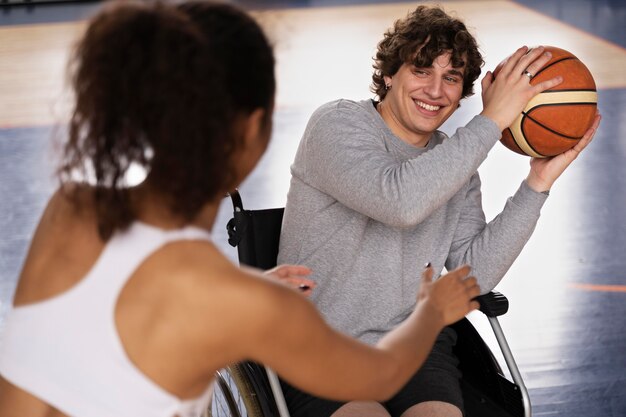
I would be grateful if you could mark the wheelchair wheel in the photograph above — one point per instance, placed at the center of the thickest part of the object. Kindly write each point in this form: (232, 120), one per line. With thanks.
(234, 395)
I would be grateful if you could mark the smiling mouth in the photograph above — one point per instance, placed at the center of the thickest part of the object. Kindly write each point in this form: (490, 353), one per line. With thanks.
(425, 106)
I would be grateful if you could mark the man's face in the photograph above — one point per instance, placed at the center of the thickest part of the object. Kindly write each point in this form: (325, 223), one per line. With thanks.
(420, 100)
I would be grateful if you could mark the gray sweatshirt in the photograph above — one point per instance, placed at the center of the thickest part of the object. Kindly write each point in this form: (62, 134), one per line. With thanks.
(365, 211)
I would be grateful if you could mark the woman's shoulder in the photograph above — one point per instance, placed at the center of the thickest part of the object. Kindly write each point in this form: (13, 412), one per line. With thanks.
(69, 210)
(207, 284)
(72, 202)
(63, 248)
(201, 268)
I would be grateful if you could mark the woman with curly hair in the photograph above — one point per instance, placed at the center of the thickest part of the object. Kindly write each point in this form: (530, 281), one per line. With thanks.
(377, 190)
(119, 309)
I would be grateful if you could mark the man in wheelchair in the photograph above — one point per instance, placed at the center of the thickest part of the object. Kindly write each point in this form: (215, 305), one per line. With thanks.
(377, 191)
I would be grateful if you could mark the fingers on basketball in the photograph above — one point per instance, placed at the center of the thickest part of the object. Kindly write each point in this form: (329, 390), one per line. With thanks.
(560, 115)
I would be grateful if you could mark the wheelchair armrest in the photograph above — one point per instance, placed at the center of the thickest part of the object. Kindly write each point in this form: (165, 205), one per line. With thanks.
(493, 304)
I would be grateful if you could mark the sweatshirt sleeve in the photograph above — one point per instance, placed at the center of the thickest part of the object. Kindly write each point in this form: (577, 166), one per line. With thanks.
(492, 248)
(343, 155)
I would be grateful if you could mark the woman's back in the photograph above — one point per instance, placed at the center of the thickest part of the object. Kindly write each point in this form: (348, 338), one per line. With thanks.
(116, 310)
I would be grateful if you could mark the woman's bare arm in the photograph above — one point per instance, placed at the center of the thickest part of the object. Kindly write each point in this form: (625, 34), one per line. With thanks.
(287, 333)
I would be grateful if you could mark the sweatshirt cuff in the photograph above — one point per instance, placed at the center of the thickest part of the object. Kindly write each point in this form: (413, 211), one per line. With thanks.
(530, 200)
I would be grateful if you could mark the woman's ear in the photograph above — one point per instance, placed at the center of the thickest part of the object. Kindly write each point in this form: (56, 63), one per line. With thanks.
(255, 130)
(255, 127)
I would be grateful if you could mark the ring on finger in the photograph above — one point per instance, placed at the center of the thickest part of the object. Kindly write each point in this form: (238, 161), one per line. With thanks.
(528, 74)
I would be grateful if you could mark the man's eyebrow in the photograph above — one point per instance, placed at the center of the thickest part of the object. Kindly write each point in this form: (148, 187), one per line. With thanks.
(452, 71)
(455, 72)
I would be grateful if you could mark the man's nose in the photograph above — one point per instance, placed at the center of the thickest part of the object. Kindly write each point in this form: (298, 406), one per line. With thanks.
(434, 87)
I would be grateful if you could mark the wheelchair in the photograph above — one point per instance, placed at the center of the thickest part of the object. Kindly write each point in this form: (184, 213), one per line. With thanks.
(249, 389)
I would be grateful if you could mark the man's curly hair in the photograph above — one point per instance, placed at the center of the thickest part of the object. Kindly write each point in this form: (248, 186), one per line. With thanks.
(421, 37)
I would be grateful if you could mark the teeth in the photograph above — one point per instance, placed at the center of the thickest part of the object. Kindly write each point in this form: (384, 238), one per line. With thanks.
(427, 106)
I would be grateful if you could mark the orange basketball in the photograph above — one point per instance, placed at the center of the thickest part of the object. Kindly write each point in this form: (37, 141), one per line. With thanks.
(556, 119)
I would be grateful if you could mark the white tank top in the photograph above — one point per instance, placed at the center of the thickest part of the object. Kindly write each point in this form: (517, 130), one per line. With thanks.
(66, 350)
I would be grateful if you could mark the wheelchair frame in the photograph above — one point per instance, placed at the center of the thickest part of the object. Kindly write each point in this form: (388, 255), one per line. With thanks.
(486, 392)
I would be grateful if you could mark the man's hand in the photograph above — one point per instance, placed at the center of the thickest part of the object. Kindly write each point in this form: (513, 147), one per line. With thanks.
(505, 95)
(545, 171)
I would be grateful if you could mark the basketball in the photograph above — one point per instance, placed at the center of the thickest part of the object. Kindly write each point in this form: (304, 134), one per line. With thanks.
(556, 119)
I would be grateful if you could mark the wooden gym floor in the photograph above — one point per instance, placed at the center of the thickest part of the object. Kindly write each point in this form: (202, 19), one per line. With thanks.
(567, 321)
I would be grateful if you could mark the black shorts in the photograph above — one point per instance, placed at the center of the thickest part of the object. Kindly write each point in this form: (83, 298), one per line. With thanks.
(437, 380)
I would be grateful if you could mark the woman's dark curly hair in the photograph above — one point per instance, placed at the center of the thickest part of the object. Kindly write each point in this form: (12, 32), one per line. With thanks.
(419, 39)
(164, 86)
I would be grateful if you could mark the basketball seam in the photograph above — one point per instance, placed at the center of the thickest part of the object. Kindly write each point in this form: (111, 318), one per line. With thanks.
(514, 140)
(554, 63)
(521, 127)
(520, 138)
(546, 127)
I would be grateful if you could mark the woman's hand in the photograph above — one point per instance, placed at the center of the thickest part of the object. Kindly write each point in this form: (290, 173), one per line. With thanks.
(545, 171)
(294, 276)
(452, 295)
